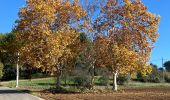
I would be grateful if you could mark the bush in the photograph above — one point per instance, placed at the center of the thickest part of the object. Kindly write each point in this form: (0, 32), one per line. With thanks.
(103, 81)
(155, 79)
(82, 81)
(167, 77)
(122, 79)
(150, 78)
(155, 76)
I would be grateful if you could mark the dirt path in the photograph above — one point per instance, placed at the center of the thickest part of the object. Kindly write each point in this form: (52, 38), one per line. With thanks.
(156, 93)
(13, 94)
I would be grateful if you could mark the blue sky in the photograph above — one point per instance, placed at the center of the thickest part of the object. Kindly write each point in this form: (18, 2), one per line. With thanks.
(162, 48)
(9, 10)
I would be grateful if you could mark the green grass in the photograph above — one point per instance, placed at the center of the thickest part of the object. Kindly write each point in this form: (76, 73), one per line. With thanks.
(35, 84)
(143, 85)
(42, 83)
(48, 83)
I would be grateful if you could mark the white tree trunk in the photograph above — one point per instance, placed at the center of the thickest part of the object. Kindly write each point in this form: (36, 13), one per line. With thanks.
(17, 74)
(115, 81)
(92, 77)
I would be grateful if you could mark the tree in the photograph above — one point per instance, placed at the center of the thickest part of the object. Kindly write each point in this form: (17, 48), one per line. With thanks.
(10, 46)
(45, 29)
(127, 30)
(89, 54)
(117, 58)
(154, 76)
(154, 66)
(167, 65)
(161, 69)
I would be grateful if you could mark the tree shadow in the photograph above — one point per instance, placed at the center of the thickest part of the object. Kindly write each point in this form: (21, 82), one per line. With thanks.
(53, 84)
(61, 90)
(45, 84)
(12, 91)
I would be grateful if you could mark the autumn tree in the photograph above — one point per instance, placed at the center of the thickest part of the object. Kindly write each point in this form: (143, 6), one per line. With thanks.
(127, 35)
(45, 29)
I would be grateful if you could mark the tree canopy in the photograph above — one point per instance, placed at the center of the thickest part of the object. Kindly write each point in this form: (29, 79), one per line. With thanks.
(115, 34)
(167, 65)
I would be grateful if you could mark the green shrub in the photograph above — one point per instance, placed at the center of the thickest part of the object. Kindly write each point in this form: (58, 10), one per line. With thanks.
(155, 76)
(122, 79)
(103, 81)
(157, 80)
(167, 77)
(82, 81)
(150, 78)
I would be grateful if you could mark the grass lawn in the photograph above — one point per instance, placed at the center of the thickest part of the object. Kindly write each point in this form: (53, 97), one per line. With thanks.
(47, 83)
(34, 84)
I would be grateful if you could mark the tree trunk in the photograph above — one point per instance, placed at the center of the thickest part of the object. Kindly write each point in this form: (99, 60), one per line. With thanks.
(65, 80)
(30, 73)
(59, 73)
(58, 84)
(92, 82)
(17, 74)
(92, 76)
(115, 81)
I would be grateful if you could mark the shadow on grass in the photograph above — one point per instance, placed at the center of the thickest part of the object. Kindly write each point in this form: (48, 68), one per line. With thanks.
(53, 84)
(62, 84)
(62, 90)
(45, 84)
